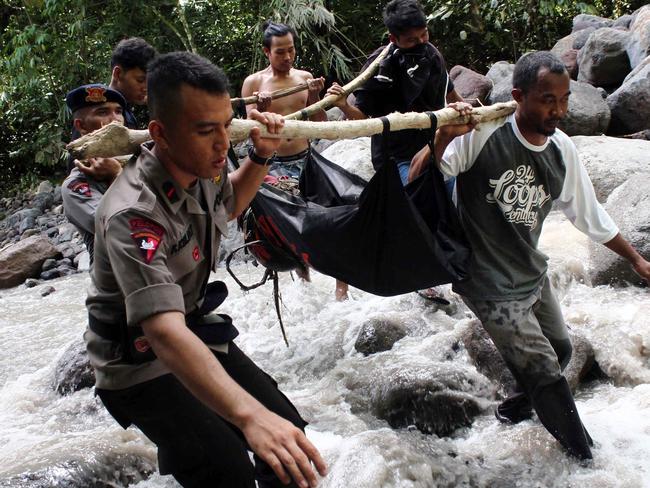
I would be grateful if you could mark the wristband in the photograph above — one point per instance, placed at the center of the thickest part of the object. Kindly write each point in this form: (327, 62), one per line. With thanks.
(257, 159)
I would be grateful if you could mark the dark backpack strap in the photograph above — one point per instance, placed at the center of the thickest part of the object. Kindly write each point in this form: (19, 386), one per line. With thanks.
(385, 134)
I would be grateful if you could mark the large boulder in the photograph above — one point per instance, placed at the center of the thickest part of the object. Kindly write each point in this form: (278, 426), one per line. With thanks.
(24, 259)
(610, 161)
(430, 399)
(584, 21)
(588, 112)
(630, 104)
(568, 47)
(603, 61)
(623, 22)
(501, 75)
(470, 84)
(639, 46)
(485, 356)
(629, 206)
(73, 371)
(352, 155)
(378, 335)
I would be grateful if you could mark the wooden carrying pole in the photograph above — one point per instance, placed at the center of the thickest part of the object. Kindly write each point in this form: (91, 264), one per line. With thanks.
(115, 139)
(329, 100)
(283, 92)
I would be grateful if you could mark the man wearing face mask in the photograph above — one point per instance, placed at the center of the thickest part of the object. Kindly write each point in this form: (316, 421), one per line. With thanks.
(412, 78)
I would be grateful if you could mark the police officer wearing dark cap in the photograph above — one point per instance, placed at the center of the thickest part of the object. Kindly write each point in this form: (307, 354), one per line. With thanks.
(93, 106)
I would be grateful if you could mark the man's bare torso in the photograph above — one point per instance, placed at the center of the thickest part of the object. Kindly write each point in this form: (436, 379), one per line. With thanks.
(265, 81)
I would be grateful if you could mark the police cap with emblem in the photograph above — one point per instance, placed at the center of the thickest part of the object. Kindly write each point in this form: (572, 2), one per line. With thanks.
(94, 94)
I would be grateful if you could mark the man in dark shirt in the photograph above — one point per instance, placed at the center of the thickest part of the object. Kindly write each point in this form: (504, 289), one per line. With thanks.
(412, 78)
(129, 74)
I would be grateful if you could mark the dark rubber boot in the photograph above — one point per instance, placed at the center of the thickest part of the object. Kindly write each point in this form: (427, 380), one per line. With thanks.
(514, 409)
(557, 410)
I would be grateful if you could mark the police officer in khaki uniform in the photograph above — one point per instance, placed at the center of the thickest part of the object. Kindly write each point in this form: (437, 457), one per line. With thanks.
(163, 362)
(92, 107)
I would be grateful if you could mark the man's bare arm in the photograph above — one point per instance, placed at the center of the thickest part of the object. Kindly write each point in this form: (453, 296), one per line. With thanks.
(351, 112)
(247, 179)
(251, 87)
(624, 249)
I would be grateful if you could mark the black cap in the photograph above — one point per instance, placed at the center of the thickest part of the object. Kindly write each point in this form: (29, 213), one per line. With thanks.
(89, 95)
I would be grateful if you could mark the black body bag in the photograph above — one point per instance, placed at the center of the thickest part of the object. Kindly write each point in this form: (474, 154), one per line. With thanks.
(379, 237)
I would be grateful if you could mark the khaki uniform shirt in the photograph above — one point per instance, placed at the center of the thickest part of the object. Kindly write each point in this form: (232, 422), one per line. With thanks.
(81, 195)
(151, 256)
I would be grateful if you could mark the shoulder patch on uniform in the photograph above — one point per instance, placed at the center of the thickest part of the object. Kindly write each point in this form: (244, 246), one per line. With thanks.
(80, 187)
(147, 235)
(170, 191)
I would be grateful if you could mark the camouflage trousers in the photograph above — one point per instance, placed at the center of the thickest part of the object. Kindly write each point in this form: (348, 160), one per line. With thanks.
(530, 334)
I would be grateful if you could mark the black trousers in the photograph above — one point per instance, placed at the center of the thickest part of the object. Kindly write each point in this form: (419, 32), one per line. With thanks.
(195, 445)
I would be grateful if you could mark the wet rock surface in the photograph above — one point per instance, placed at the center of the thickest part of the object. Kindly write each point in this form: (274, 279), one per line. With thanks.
(73, 371)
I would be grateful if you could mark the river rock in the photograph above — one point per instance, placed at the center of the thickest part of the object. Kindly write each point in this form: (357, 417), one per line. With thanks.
(610, 161)
(24, 259)
(583, 360)
(352, 155)
(378, 335)
(485, 356)
(470, 84)
(112, 470)
(629, 206)
(42, 201)
(630, 103)
(567, 48)
(47, 290)
(588, 112)
(73, 371)
(16, 218)
(45, 187)
(501, 75)
(49, 264)
(639, 46)
(623, 22)
(583, 21)
(432, 400)
(570, 60)
(82, 261)
(603, 61)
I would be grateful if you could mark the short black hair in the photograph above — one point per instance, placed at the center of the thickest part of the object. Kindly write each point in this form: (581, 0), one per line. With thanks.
(168, 72)
(271, 29)
(133, 52)
(402, 15)
(527, 68)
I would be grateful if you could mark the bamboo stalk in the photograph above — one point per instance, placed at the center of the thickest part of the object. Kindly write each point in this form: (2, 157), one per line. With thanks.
(329, 100)
(282, 92)
(115, 139)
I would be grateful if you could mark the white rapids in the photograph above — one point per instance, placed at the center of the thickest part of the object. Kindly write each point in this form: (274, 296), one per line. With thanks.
(40, 429)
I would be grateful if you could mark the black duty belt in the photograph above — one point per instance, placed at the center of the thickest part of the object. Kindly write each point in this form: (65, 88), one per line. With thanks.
(210, 328)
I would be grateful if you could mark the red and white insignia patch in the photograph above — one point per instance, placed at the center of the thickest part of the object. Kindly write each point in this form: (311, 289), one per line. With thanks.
(141, 344)
(80, 187)
(95, 94)
(195, 253)
(147, 235)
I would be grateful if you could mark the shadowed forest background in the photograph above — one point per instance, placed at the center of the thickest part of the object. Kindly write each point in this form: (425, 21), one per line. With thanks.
(48, 47)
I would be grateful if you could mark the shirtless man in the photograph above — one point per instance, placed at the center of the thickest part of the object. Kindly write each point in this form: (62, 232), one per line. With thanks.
(279, 48)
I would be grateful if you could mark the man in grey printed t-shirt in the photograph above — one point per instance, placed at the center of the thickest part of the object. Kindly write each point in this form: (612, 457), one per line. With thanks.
(508, 176)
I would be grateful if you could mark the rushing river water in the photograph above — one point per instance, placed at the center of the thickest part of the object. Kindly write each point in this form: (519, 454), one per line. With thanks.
(41, 430)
